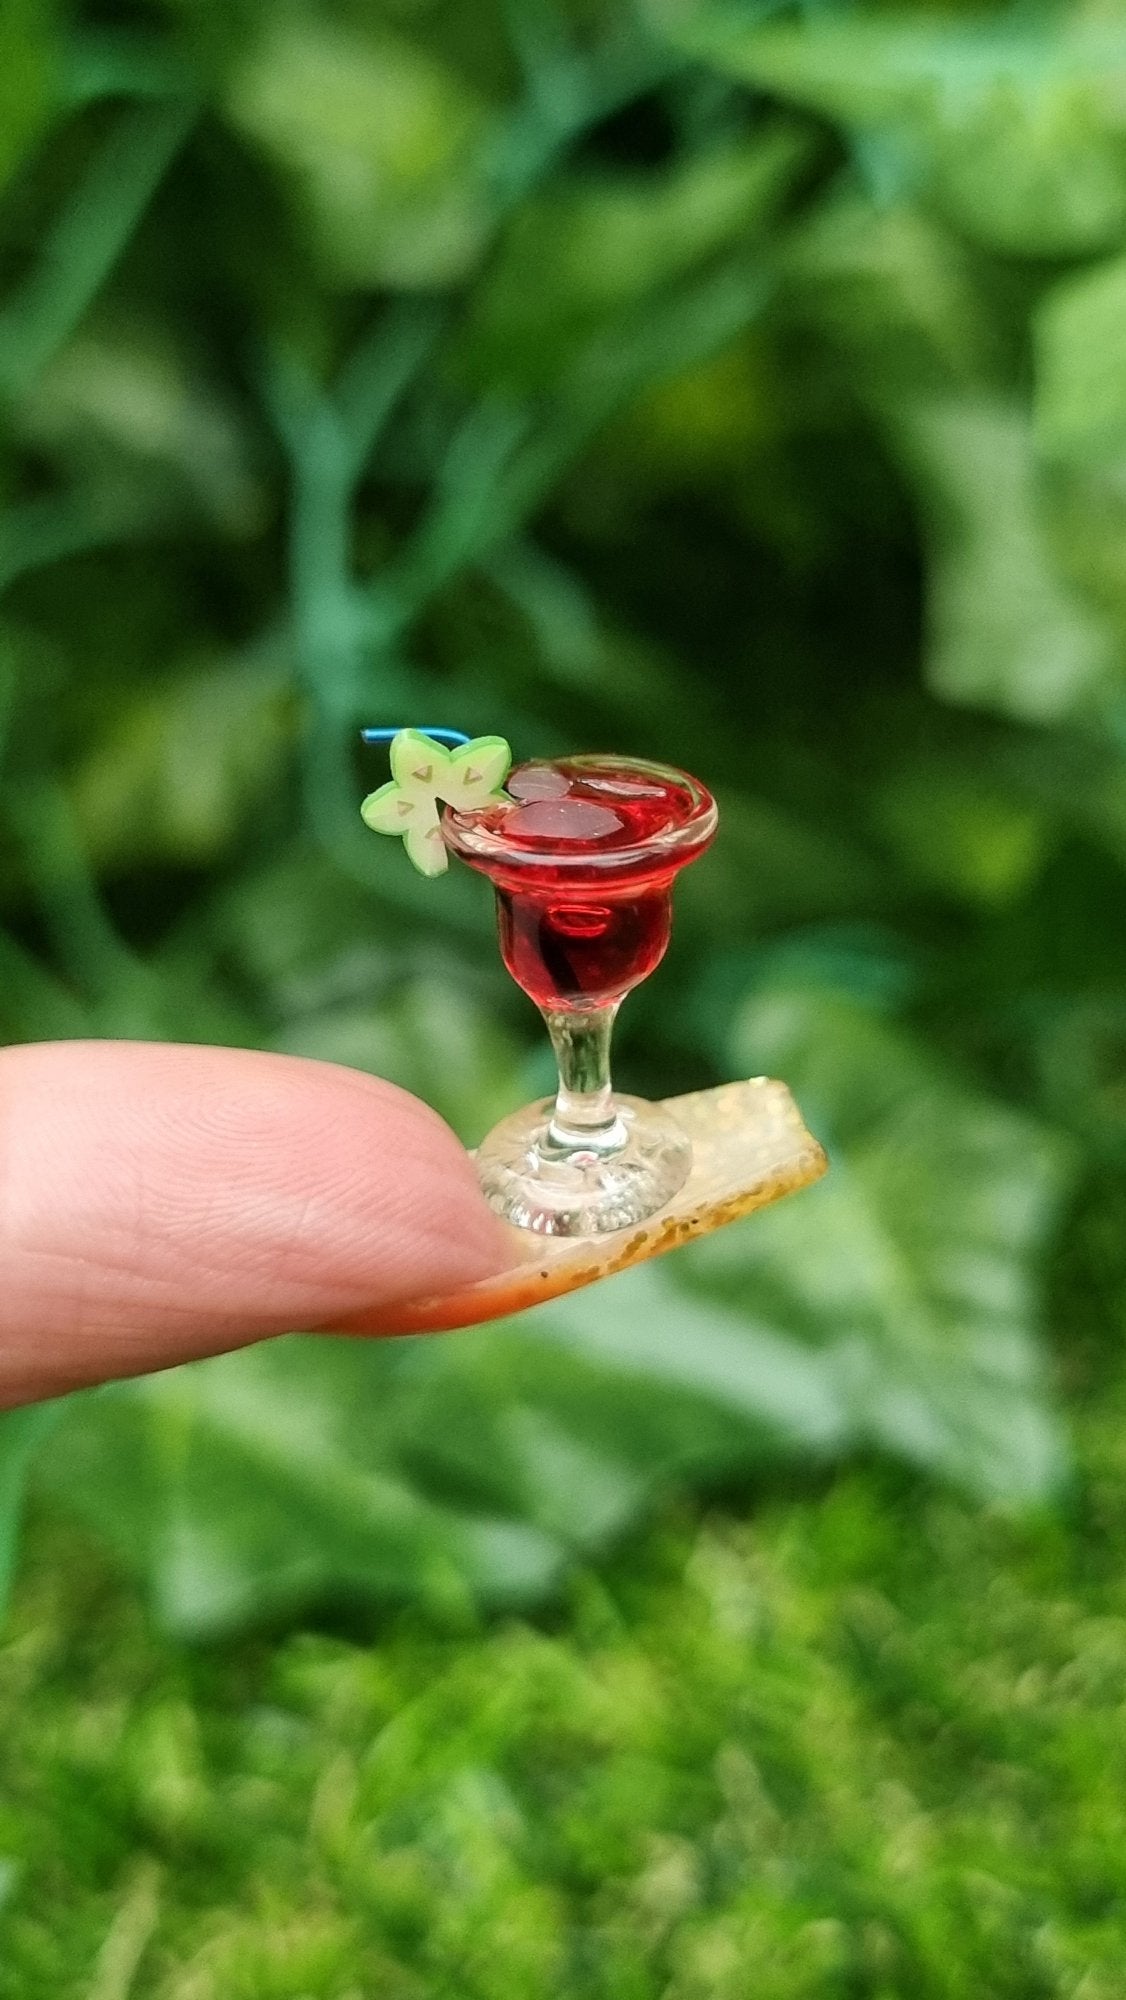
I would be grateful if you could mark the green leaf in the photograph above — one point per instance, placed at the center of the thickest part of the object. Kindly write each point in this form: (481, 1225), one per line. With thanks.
(124, 411)
(590, 249)
(379, 141)
(898, 291)
(177, 769)
(35, 1004)
(1005, 630)
(308, 1471)
(1080, 332)
(915, 1270)
(1014, 124)
(21, 1434)
(661, 1341)
(28, 77)
(87, 238)
(473, 1081)
(266, 1480)
(962, 829)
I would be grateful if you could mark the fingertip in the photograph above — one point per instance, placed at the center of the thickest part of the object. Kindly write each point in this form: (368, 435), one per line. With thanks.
(159, 1202)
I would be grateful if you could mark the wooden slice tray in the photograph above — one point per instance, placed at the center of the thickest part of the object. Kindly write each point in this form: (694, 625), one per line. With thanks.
(749, 1147)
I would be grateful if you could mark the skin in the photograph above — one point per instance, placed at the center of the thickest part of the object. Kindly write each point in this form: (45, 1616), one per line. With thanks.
(158, 1203)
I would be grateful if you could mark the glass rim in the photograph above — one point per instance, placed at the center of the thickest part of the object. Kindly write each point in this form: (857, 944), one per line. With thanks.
(478, 844)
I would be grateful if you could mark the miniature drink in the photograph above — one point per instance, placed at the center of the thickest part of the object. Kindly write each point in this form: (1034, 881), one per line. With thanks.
(582, 853)
(583, 865)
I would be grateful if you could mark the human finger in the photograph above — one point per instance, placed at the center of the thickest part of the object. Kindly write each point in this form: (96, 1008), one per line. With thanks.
(159, 1202)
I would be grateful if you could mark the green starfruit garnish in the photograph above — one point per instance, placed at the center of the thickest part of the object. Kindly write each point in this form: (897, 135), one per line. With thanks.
(426, 776)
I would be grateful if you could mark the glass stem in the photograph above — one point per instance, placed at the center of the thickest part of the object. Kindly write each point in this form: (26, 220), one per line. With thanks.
(585, 1118)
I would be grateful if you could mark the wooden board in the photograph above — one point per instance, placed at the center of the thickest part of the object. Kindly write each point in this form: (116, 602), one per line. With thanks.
(749, 1148)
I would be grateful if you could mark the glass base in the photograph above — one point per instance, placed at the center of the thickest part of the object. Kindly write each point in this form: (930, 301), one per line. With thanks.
(557, 1191)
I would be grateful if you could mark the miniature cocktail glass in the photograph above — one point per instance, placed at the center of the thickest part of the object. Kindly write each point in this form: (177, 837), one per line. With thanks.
(582, 853)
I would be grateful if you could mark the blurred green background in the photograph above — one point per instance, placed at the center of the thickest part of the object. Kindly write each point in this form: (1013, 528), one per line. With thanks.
(744, 386)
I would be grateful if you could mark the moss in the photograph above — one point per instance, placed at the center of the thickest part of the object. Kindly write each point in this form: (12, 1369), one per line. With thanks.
(864, 1739)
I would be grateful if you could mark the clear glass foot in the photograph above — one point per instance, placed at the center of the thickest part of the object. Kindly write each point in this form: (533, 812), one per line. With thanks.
(618, 1177)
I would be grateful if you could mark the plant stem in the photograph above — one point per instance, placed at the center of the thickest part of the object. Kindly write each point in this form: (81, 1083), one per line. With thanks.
(585, 1117)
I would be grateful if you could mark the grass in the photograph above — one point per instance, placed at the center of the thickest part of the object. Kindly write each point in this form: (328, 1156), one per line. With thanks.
(859, 1739)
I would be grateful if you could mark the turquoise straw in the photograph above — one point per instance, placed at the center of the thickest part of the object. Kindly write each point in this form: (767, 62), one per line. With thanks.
(452, 737)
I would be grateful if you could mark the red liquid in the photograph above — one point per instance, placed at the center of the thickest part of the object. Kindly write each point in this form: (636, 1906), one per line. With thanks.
(583, 864)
